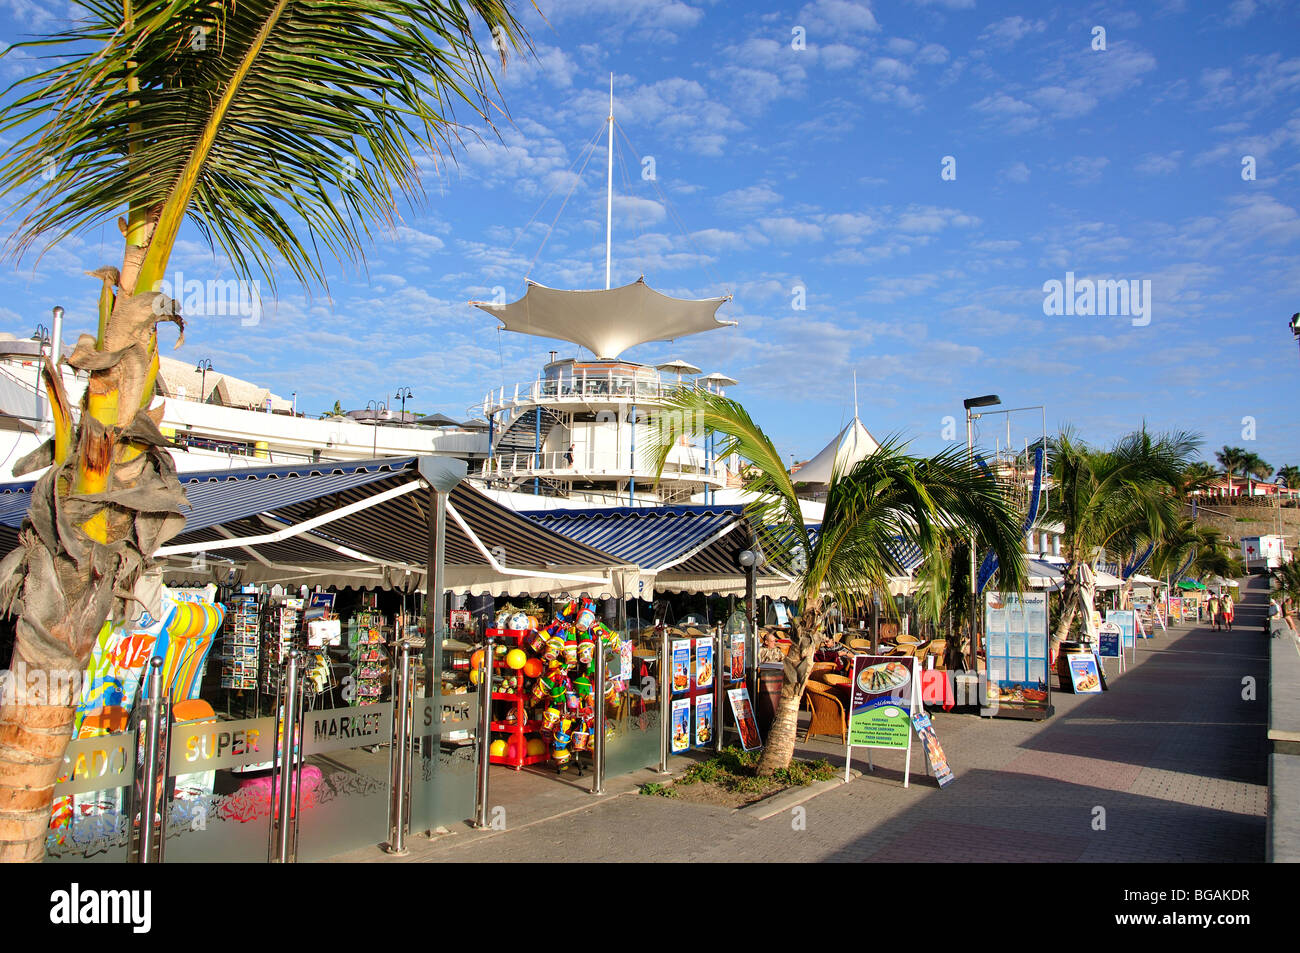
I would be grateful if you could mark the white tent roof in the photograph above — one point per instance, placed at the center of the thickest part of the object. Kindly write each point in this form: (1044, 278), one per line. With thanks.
(851, 444)
(607, 322)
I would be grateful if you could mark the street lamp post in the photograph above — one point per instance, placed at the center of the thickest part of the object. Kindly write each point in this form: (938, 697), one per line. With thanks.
(42, 338)
(379, 407)
(204, 365)
(1295, 326)
(988, 400)
(402, 394)
(748, 560)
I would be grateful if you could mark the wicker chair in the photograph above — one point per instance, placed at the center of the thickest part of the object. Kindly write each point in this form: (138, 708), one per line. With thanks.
(860, 645)
(827, 712)
(821, 668)
(939, 649)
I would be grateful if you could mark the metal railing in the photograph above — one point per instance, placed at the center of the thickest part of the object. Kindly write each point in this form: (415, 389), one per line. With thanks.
(587, 386)
(588, 464)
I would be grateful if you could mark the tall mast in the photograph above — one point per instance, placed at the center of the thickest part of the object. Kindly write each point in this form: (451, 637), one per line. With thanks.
(609, 188)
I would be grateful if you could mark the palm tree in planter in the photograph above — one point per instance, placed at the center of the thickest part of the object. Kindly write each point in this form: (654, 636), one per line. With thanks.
(280, 129)
(887, 499)
(1113, 499)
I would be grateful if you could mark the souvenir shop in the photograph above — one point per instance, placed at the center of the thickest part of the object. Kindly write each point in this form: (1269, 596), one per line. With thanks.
(278, 695)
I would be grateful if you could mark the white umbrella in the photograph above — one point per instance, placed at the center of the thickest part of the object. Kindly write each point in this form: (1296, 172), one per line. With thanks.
(678, 367)
(720, 381)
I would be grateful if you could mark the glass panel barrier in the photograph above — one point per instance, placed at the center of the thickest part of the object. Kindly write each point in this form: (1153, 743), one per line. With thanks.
(443, 772)
(345, 780)
(632, 706)
(219, 808)
(88, 821)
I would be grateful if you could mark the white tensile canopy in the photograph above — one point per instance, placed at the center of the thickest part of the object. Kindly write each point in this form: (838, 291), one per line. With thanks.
(607, 322)
(851, 444)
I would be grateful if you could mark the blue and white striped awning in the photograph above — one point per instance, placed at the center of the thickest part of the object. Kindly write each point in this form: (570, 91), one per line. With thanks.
(685, 538)
(369, 511)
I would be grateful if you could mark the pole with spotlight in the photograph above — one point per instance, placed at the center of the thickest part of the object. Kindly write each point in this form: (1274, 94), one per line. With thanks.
(988, 400)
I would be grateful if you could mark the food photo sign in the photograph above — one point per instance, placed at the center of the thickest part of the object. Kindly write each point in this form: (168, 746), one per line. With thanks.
(1084, 675)
(882, 698)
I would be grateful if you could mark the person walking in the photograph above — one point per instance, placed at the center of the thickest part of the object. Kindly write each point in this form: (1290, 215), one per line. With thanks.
(1212, 607)
(1227, 610)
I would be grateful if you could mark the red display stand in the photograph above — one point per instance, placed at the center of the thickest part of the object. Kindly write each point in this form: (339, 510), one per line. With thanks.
(523, 726)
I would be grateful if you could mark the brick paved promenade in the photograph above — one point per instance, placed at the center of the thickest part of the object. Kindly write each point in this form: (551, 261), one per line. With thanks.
(1173, 754)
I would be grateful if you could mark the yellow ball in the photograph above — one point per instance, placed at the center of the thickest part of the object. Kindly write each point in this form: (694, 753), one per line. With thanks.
(516, 658)
(536, 746)
(474, 676)
(497, 749)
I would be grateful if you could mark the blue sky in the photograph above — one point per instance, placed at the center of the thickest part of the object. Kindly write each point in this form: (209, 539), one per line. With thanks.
(821, 168)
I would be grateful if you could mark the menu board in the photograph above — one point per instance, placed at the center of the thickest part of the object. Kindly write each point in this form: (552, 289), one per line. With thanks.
(1108, 636)
(1126, 619)
(933, 750)
(736, 669)
(1084, 675)
(742, 710)
(881, 696)
(1175, 608)
(703, 662)
(681, 653)
(703, 720)
(1016, 650)
(681, 734)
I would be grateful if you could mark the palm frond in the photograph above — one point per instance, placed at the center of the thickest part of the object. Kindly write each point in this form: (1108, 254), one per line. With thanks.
(281, 128)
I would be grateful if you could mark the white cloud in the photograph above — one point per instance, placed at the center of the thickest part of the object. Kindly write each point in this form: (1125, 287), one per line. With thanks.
(1010, 30)
(786, 229)
(929, 219)
(1017, 172)
(1155, 164)
(1086, 169)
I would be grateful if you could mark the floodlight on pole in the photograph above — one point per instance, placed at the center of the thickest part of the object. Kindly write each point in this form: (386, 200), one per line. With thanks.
(988, 400)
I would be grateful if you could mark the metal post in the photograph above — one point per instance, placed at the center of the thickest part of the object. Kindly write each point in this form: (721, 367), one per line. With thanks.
(665, 700)
(149, 841)
(283, 779)
(484, 734)
(875, 624)
(974, 648)
(399, 803)
(751, 627)
(598, 751)
(631, 484)
(719, 682)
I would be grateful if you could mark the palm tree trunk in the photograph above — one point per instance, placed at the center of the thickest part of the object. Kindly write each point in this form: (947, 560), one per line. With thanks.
(1069, 609)
(107, 501)
(34, 731)
(779, 750)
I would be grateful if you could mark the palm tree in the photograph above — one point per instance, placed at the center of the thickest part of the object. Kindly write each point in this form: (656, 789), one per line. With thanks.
(886, 498)
(1289, 475)
(1231, 459)
(1255, 468)
(335, 411)
(1198, 476)
(280, 129)
(1114, 499)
